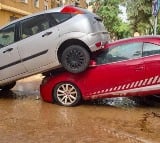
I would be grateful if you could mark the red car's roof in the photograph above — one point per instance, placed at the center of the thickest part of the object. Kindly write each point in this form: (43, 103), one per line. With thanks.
(151, 39)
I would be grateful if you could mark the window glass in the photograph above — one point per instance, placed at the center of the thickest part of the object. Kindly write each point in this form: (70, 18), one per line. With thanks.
(7, 36)
(61, 17)
(36, 3)
(150, 49)
(119, 53)
(34, 25)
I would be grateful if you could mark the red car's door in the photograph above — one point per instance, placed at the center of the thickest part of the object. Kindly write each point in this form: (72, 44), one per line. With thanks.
(119, 68)
(151, 54)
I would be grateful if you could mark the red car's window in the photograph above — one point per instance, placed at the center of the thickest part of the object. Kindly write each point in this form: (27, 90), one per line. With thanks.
(120, 53)
(150, 49)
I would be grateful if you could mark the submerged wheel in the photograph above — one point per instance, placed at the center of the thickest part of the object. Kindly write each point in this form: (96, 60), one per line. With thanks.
(67, 94)
(8, 86)
(75, 59)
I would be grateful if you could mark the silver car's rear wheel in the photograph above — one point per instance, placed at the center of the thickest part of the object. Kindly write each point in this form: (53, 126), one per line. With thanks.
(75, 59)
(67, 94)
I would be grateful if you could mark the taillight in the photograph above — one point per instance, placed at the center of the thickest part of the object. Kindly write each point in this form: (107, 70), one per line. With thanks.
(99, 44)
(72, 10)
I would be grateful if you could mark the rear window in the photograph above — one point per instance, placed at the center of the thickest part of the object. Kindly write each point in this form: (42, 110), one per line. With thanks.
(150, 49)
(61, 17)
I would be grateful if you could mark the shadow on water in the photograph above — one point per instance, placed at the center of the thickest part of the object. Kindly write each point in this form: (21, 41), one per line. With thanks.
(7, 95)
(19, 95)
(123, 102)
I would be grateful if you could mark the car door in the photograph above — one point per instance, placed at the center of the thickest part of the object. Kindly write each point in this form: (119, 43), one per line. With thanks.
(10, 61)
(151, 54)
(38, 43)
(120, 68)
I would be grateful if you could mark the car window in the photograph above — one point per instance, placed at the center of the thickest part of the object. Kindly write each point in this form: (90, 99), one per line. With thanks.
(150, 49)
(61, 17)
(119, 53)
(7, 36)
(34, 25)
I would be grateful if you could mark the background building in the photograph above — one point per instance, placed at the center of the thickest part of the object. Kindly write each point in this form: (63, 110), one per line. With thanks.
(79, 3)
(13, 9)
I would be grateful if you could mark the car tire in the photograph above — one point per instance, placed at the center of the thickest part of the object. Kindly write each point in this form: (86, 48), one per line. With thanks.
(8, 86)
(75, 59)
(67, 94)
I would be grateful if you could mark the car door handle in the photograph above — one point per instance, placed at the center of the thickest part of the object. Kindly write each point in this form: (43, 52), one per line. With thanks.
(46, 34)
(8, 50)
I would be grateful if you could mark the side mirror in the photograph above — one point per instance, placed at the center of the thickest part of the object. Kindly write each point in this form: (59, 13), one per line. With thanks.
(92, 63)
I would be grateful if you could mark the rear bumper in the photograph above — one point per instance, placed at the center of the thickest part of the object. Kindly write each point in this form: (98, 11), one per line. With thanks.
(97, 37)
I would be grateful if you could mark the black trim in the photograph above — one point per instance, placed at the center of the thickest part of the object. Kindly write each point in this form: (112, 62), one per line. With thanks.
(16, 32)
(11, 64)
(33, 56)
(25, 59)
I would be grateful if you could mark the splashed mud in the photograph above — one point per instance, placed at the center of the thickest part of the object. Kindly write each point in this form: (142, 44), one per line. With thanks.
(26, 118)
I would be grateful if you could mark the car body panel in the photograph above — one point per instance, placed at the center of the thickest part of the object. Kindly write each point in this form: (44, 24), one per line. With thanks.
(36, 51)
(11, 64)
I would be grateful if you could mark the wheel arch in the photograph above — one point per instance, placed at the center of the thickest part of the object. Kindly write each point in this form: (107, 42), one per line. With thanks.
(69, 43)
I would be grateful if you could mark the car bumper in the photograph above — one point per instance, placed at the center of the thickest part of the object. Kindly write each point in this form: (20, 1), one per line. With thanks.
(96, 38)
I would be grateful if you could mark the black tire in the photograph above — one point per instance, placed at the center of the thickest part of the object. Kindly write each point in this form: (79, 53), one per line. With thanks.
(8, 86)
(143, 100)
(75, 59)
(67, 94)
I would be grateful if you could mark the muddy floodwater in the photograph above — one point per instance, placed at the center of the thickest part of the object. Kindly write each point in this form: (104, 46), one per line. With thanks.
(25, 118)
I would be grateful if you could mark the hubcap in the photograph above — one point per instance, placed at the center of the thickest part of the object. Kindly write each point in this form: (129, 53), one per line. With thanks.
(75, 59)
(67, 94)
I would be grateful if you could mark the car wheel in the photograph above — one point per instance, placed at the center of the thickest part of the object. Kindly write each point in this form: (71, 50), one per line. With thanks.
(67, 94)
(75, 59)
(8, 86)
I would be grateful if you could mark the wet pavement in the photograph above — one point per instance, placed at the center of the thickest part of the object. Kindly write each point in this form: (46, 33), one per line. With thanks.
(25, 118)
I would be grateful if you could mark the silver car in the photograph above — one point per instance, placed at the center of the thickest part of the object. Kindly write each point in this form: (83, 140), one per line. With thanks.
(64, 36)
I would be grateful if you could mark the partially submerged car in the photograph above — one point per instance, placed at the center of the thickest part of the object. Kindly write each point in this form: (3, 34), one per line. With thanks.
(129, 67)
(44, 41)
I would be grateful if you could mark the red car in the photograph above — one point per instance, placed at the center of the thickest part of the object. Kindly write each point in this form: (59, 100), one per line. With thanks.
(129, 67)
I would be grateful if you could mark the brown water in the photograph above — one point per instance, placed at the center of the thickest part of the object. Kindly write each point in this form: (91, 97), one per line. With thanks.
(25, 118)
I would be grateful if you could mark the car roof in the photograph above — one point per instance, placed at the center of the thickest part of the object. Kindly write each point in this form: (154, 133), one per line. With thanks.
(148, 38)
(58, 9)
